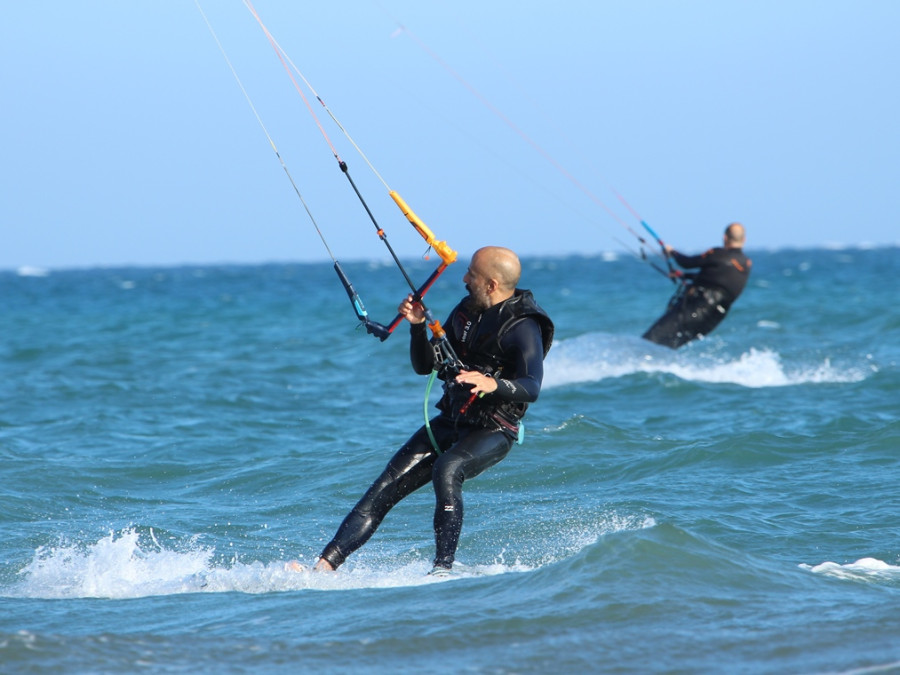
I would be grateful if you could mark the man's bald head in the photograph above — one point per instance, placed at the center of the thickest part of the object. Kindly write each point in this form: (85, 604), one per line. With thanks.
(734, 235)
(492, 276)
(500, 264)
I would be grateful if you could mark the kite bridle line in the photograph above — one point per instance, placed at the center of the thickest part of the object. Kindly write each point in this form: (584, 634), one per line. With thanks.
(372, 327)
(675, 275)
(447, 254)
(402, 28)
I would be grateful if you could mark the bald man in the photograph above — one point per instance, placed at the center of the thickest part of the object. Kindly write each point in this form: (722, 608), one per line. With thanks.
(501, 336)
(704, 299)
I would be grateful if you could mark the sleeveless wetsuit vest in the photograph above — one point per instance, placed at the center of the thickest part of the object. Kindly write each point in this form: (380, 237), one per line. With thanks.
(478, 340)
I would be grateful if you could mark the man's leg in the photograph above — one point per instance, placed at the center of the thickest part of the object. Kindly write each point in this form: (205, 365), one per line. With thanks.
(476, 451)
(409, 469)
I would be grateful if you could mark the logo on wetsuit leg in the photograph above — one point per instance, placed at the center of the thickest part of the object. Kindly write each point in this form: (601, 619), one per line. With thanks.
(448, 507)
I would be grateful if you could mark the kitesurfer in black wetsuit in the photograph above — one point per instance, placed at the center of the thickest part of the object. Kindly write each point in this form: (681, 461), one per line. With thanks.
(501, 336)
(704, 298)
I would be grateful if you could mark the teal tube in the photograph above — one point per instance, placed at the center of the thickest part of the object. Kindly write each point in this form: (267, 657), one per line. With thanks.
(431, 437)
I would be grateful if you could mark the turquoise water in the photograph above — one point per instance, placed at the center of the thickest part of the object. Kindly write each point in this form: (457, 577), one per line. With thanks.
(170, 437)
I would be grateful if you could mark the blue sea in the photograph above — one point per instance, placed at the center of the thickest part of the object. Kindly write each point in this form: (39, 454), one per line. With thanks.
(170, 437)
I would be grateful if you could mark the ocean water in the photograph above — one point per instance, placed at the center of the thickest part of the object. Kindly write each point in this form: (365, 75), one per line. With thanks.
(170, 437)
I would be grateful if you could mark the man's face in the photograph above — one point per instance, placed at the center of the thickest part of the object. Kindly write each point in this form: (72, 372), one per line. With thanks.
(477, 284)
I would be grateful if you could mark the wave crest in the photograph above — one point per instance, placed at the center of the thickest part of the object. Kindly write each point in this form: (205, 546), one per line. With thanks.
(598, 356)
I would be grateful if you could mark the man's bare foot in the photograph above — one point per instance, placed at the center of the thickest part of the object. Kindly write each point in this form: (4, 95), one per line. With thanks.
(323, 566)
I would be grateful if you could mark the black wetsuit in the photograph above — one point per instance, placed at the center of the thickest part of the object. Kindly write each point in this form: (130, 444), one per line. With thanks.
(508, 340)
(703, 300)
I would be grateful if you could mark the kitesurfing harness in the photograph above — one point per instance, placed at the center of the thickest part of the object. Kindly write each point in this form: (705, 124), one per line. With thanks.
(481, 340)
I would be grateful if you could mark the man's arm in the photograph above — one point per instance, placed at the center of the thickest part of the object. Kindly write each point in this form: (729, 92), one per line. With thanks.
(689, 262)
(525, 341)
(421, 353)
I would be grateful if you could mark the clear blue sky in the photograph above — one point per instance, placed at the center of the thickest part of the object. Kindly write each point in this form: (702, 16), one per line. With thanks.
(126, 140)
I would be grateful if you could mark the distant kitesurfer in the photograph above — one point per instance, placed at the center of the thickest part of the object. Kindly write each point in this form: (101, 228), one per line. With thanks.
(501, 336)
(704, 297)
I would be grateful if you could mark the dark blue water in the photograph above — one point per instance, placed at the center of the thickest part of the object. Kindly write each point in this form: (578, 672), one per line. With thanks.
(171, 437)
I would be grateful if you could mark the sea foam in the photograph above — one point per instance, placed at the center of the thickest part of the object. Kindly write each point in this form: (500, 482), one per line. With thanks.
(598, 356)
(133, 564)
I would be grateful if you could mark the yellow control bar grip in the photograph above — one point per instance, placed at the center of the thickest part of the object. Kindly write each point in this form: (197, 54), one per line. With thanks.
(448, 255)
